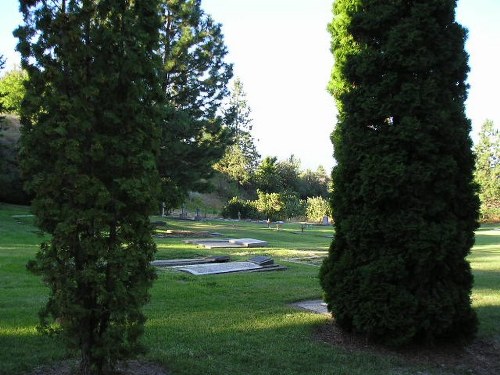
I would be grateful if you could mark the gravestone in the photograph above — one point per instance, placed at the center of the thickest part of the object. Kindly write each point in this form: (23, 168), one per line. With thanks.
(316, 306)
(216, 268)
(248, 242)
(262, 260)
(183, 262)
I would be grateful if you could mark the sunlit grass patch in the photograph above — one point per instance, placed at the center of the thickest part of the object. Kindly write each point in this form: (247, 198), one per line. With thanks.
(224, 324)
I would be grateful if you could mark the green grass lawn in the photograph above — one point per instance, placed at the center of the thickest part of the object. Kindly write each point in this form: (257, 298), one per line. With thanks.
(223, 324)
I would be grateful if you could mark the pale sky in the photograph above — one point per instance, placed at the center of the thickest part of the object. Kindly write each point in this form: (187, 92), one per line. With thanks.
(280, 50)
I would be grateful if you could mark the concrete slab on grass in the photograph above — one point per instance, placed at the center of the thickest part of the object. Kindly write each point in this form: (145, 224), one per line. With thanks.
(227, 243)
(184, 262)
(248, 242)
(317, 306)
(210, 269)
(219, 245)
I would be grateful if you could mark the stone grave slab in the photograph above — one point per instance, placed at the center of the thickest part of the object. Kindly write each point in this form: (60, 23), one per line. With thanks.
(181, 262)
(262, 260)
(317, 306)
(217, 268)
(227, 243)
(219, 245)
(248, 242)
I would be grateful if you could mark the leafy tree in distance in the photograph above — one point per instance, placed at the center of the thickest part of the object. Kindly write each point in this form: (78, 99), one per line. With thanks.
(89, 143)
(487, 173)
(195, 81)
(270, 204)
(12, 91)
(317, 208)
(404, 200)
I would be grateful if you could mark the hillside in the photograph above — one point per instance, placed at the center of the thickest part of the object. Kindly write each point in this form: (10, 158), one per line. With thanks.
(11, 190)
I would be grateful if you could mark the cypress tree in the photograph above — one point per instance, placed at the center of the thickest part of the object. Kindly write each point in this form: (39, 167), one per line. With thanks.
(404, 201)
(89, 144)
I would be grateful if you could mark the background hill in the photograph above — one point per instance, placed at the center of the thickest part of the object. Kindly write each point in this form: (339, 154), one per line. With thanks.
(11, 185)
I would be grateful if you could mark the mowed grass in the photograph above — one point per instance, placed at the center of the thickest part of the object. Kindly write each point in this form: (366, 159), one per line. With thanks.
(223, 324)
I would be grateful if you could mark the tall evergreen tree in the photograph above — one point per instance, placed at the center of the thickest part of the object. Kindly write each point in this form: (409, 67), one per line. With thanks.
(89, 146)
(195, 82)
(237, 118)
(404, 201)
(487, 173)
(240, 159)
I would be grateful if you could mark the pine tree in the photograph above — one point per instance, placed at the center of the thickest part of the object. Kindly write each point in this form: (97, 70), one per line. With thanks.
(241, 158)
(237, 118)
(89, 144)
(195, 82)
(404, 200)
(487, 173)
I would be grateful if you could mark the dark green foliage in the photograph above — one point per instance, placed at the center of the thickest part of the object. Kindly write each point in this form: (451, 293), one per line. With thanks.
(404, 201)
(89, 143)
(194, 79)
(314, 184)
(288, 172)
(188, 149)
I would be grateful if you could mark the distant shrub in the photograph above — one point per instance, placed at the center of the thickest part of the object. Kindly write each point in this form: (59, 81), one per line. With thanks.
(238, 208)
(317, 208)
(294, 207)
(490, 211)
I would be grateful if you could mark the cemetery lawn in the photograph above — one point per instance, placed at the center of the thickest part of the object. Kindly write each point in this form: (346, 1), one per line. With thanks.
(240, 323)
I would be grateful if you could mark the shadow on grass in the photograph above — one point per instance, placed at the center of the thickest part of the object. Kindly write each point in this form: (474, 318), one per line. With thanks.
(489, 316)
